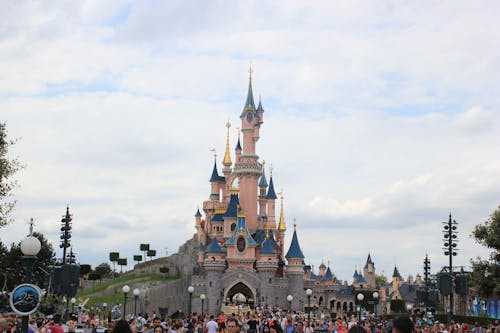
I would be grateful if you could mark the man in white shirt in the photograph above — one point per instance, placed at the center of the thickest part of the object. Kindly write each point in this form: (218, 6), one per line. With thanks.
(212, 325)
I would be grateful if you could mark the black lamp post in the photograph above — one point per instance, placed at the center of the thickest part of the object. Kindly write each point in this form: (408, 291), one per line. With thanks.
(190, 292)
(375, 302)
(125, 290)
(105, 307)
(202, 297)
(360, 298)
(73, 301)
(450, 250)
(289, 298)
(136, 298)
(30, 247)
(309, 293)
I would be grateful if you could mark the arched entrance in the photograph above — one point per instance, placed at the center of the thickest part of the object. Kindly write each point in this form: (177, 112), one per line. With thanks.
(240, 293)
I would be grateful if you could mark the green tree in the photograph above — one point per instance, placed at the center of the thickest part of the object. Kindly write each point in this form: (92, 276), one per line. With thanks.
(103, 270)
(8, 167)
(379, 279)
(485, 277)
(14, 267)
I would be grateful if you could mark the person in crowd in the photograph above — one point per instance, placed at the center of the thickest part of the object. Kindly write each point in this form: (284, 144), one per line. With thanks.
(402, 325)
(122, 326)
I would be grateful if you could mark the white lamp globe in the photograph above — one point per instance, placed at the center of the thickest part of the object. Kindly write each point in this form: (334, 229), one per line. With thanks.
(126, 289)
(289, 298)
(73, 300)
(202, 296)
(30, 246)
(190, 289)
(360, 297)
(375, 294)
(309, 292)
(136, 292)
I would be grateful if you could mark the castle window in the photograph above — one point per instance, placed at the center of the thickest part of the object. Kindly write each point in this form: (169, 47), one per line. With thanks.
(270, 280)
(210, 283)
(233, 226)
(241, 244)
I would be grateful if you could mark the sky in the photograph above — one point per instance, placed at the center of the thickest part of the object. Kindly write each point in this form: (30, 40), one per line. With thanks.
(381, 119)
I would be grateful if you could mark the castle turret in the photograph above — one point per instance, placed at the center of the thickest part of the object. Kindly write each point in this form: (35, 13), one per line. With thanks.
(295, 271)
(396, 279)
(214, 265)
(216, 182)
(267, 265)
(369, 272)
(247, 168)
(271, 202)
(262, 194)
(237, 149)
(230, 218)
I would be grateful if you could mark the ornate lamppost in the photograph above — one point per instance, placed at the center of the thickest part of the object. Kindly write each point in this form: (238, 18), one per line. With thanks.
(136, 293)
(125, 290)
(375, 302)
(105, 307)
(309, 293)
(190, 292)
(360, 298)
(30, 247)
(202, 297)
(289, 298)
(73, 301)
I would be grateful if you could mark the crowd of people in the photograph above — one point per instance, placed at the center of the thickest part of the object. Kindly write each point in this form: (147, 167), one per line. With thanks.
(267, 320)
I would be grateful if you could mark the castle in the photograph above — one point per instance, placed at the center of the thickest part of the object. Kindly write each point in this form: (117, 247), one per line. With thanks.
(242, 240)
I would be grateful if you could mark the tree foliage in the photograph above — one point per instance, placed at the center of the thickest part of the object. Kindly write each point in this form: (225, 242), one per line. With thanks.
(13, 268)
(485, 277)
(8, 167)
(103, 270)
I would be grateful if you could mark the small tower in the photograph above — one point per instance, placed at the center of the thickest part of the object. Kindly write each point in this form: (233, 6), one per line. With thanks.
(237, 149)
(369, 272)
(396, 279)
(216, 181)
(295, 271)
(267, 265)
(214, 265)
(262, 194)
(271, 203)
(198, 225)
(322, 269)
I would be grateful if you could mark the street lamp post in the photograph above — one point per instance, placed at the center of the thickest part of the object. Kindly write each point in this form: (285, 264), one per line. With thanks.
(289, 298)
(125, 290)
(73, 301)
(360, 298)
(409, 307)
(375, 302)
(202, 297)
(309, 293)
(190, 292)
(105, 307)
(136, 298)
(30, 246)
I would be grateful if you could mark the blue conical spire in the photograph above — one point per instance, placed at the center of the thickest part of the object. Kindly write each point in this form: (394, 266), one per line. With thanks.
(214, 247)
(198, 214)
(232, 208)
(249, 103)
(328, 274)
(238, 145)
(267, 247)
(294, 251)
(259, 107)
(215, 174)
(270, 191)
(263, 180)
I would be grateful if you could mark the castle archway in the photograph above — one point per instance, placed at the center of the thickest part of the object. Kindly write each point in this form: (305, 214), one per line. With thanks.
(240, 293)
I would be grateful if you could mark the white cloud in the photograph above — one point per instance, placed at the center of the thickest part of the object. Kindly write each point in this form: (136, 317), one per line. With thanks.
(380, 119)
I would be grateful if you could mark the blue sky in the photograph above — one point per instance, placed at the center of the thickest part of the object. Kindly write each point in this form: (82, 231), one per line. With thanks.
(381, 118)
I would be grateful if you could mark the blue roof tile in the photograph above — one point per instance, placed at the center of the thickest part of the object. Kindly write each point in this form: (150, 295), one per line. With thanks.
(214, 247)
(232, 208)
(294, 251)
(270, 191)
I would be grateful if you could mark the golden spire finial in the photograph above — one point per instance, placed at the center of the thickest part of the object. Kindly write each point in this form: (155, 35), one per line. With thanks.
(281, 225)
(267, 231)
(227, 156)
